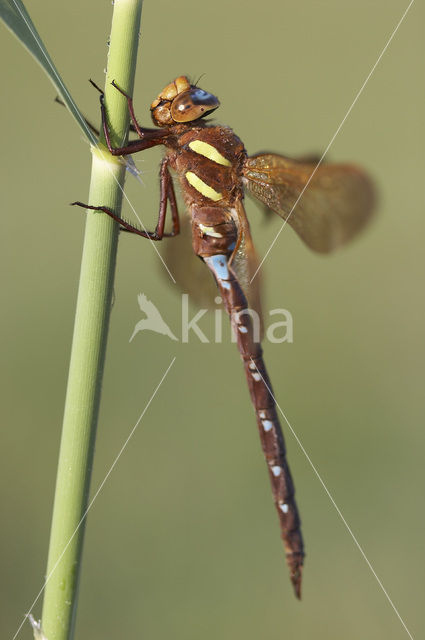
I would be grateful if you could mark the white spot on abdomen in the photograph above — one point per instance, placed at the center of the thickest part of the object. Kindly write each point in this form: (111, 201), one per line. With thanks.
(209, 231)
(267, 425)
(254, 371)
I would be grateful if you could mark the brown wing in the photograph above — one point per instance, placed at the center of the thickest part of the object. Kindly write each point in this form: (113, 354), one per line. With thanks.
(190, 272)
(244, 261)
(335, 205)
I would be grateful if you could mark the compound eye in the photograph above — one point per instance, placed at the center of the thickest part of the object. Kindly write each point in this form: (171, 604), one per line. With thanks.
(200, 96)
(183, 109)
(192, 105)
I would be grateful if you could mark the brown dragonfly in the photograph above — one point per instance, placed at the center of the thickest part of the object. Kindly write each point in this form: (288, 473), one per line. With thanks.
(213, 169)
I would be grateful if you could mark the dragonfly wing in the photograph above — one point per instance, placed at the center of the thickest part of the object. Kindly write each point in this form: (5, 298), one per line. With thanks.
(326, 206)
(187, 269)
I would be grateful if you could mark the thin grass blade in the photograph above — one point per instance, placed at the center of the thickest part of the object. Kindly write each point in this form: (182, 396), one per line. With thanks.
(16, 18)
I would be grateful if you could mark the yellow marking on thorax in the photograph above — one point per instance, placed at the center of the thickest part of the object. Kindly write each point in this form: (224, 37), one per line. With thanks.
(202, 186)
(210, 152)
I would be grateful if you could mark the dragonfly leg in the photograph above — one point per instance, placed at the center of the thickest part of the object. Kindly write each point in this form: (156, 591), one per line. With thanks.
(90, 125)
(136, 126)
(166, 194)
(147, 137)
(125, 226)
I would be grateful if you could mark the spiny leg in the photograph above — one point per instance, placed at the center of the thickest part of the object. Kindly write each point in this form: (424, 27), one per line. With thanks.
(90, 125)
(148, 137)
(166, 194)
(129, 99)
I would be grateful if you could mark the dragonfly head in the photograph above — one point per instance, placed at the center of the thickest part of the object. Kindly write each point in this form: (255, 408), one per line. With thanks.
(180, 102)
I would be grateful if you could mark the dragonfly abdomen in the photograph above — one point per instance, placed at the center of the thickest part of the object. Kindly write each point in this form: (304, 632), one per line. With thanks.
(269, 427)
(213, 231)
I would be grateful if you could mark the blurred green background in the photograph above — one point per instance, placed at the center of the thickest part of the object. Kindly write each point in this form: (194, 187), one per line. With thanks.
(183, 540)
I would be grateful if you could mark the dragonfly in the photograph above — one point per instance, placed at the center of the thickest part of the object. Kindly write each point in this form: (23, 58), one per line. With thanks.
(214, 170)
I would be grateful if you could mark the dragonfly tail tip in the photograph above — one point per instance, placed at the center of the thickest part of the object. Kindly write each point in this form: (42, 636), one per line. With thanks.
(296, 579)
(297, 588)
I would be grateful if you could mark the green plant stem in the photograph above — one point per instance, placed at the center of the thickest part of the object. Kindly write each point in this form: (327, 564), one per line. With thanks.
(89, 340)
